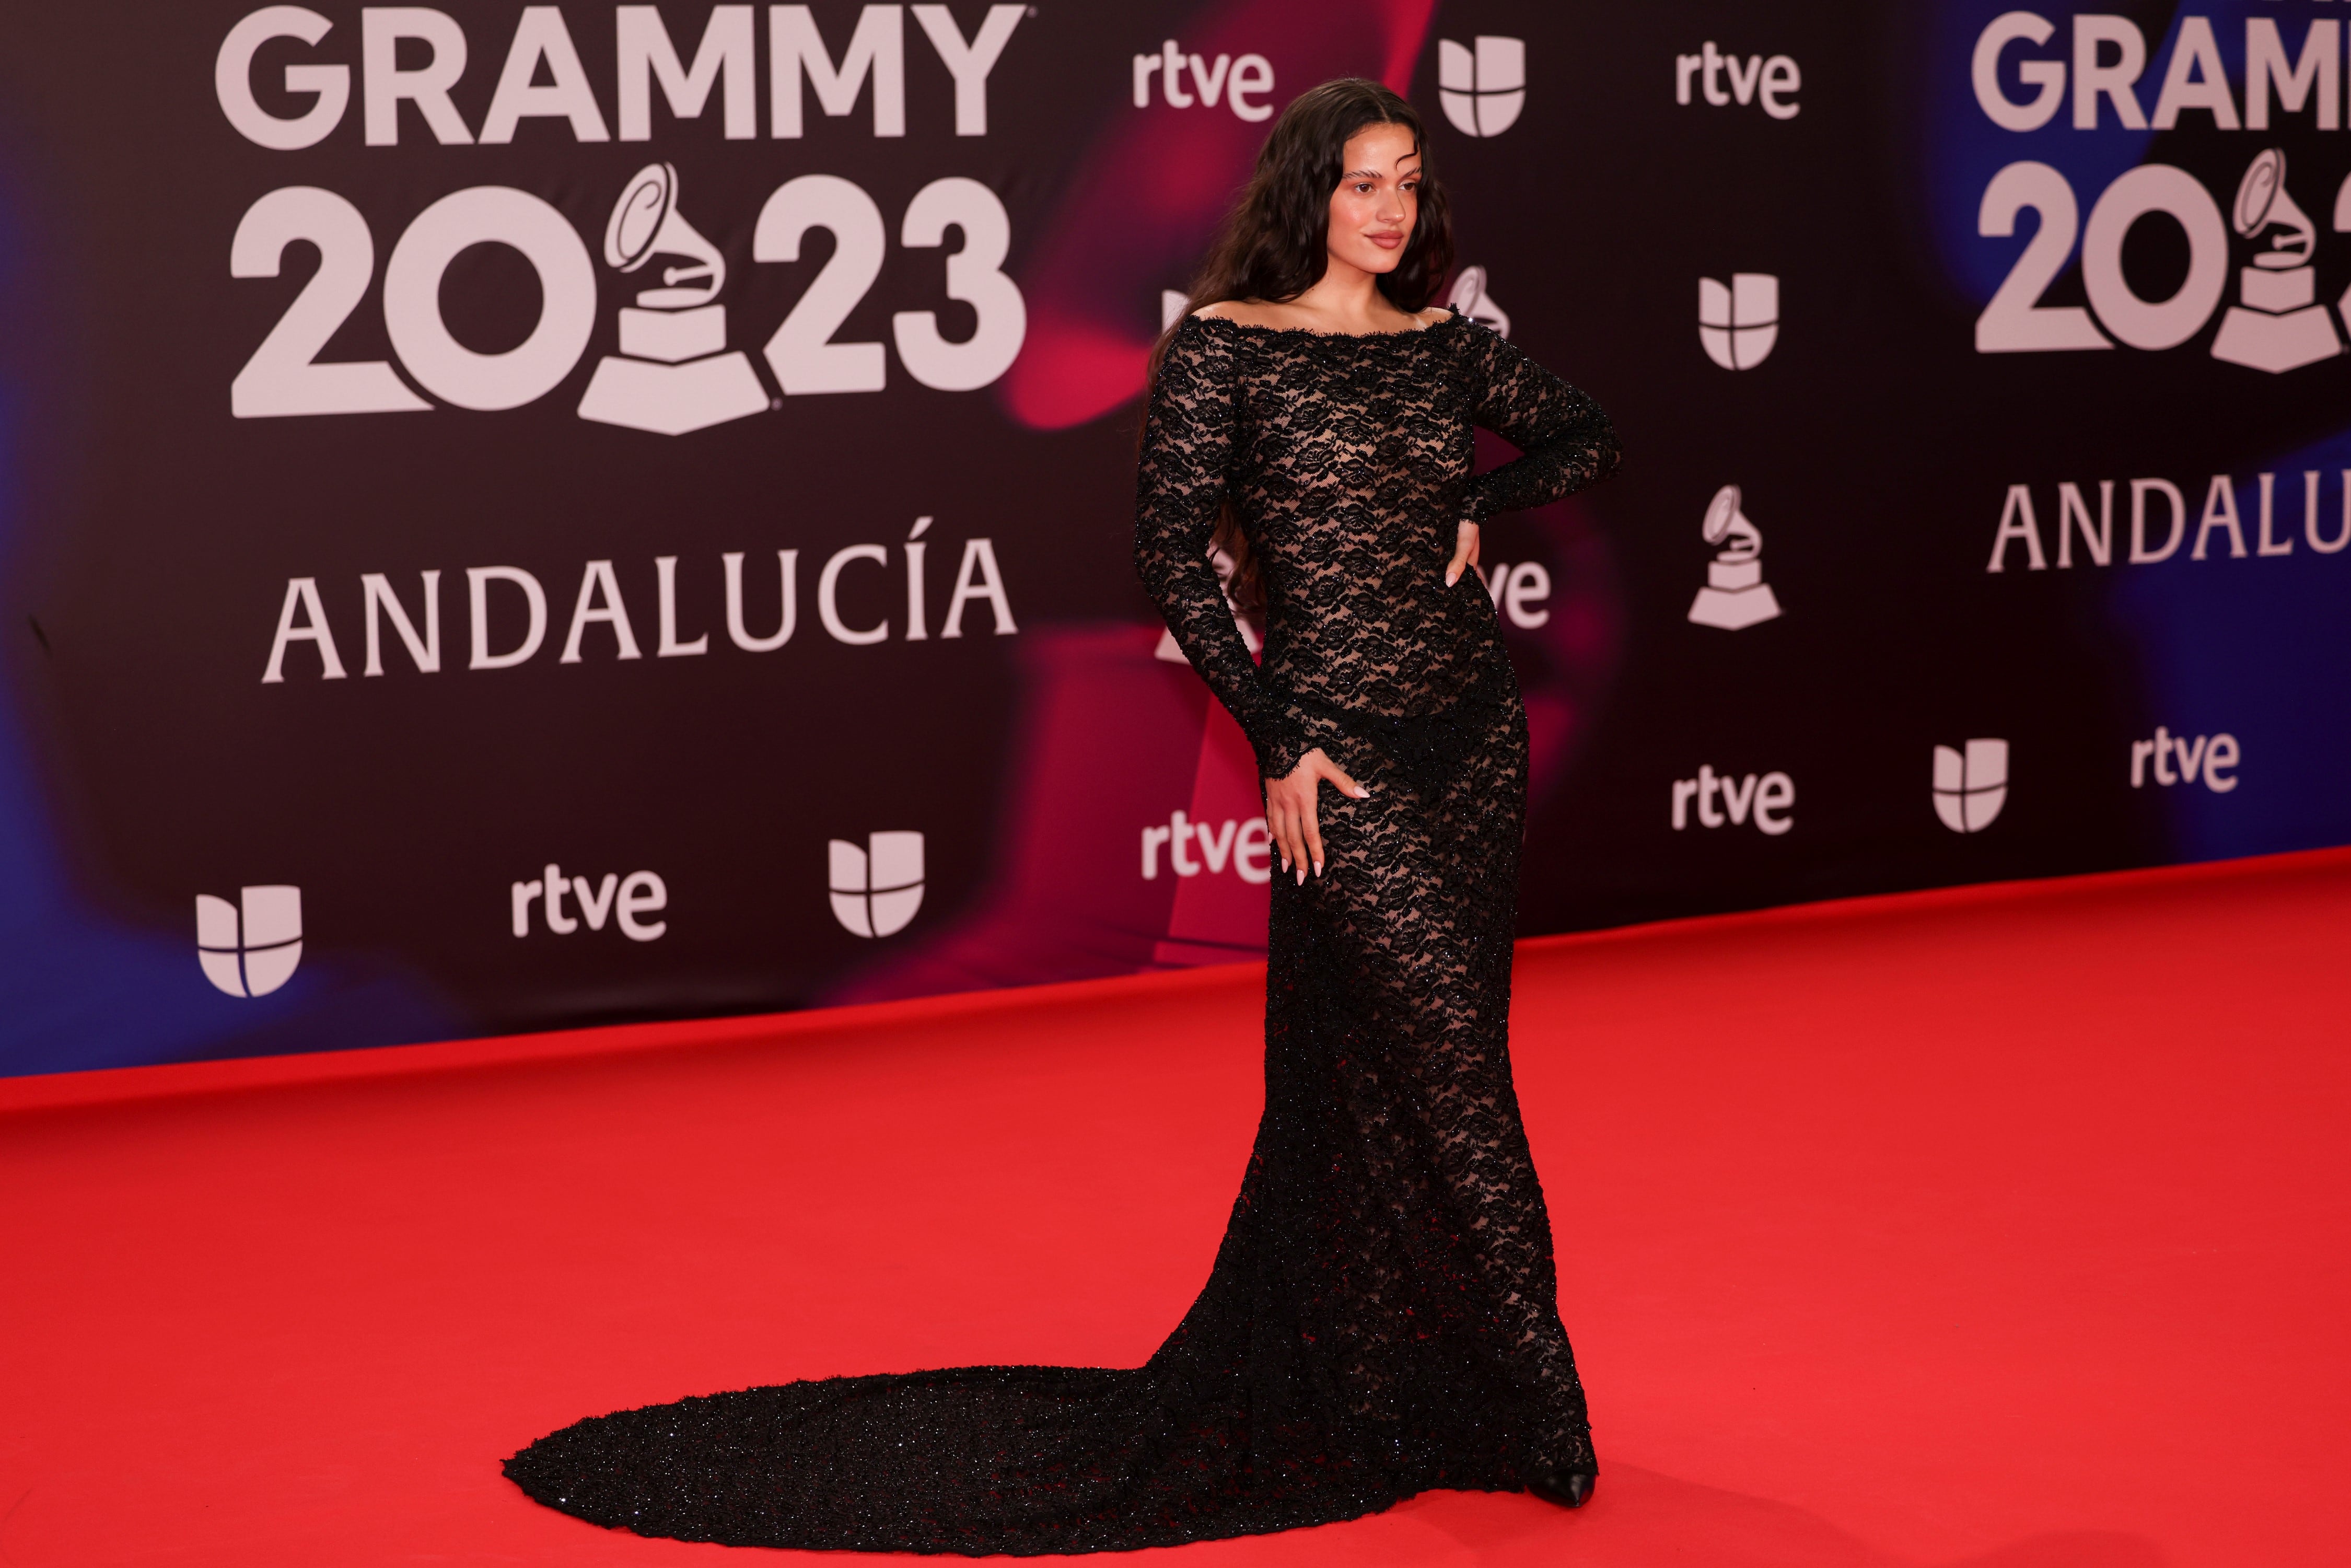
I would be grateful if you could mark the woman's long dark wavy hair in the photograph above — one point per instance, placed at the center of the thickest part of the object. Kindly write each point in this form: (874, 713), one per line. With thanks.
(1276, 242)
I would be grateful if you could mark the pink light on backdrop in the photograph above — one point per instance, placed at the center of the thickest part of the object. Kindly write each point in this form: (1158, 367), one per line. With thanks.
(1140, 211)
(1112, 740)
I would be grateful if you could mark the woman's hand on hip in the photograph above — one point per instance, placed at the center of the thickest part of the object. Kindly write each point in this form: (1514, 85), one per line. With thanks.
(1290, 809)
(1465, 553)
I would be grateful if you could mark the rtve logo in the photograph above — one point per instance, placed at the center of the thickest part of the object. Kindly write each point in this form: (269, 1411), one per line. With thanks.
(1764, 799)
(252, 948)
(876, 890)
(1237, 81)
(627, 899)
(1482, 90)
(1757, 81)
(1970, 787)
(2212, 759)
(1518, 591)
(1246, 847)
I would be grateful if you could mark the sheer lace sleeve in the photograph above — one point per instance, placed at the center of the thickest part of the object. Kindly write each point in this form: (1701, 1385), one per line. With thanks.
(1187, 443)
(1566, 441)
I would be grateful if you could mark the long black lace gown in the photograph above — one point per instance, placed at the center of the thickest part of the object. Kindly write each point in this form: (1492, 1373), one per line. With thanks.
(1383, 1315)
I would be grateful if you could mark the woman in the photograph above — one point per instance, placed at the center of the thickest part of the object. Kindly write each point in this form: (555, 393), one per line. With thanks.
(1382, 1316)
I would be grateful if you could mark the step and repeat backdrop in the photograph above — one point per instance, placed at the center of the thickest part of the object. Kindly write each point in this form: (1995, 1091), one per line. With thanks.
(515, 517)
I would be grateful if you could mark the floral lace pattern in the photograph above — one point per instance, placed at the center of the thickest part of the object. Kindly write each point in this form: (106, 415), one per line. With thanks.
(1383, 1316)
(1349, 462)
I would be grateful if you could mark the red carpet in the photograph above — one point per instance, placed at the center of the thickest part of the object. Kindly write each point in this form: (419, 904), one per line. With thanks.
(2003, 1228)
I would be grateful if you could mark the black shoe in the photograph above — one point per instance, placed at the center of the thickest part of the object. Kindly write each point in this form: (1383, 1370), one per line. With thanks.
(1569, 1489)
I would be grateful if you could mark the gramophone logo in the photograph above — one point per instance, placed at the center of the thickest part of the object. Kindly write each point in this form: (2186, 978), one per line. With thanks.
(1971, 787)
(1735, 594)
(249, 949)
(1482, 91)
(2280, 326)
(1739, 324)
(876, 890)
(673, 373)
(1471, 299)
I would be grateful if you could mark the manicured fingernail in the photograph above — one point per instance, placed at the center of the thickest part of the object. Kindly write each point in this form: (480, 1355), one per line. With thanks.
(1363, 793)
(1451, 577)
(1301, 876)
(1318, 868)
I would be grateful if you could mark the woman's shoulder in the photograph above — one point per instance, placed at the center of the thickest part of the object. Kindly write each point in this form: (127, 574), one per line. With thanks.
(1198, 352)
(1280, 317)
(1474, 343)
(1243, 313)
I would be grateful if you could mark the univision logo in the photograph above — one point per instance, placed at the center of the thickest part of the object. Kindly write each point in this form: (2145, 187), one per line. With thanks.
(876, 890)
(252, 950)
(1970, 787)
(1483, 91)
(1738, 324)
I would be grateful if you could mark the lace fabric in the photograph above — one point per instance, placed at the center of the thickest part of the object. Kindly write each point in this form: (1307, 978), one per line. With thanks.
(1349, 461)
(1382, 1317)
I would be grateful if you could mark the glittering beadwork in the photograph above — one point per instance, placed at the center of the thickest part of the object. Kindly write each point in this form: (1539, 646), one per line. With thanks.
(1383, 1317)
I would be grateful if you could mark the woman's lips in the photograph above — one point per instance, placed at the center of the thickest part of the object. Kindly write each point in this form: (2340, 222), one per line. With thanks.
(1385, 241)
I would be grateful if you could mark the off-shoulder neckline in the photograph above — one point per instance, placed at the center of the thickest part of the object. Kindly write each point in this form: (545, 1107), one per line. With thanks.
(1452, 318)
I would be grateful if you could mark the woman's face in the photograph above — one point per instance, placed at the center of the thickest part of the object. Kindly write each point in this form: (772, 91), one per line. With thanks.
(1378, 198)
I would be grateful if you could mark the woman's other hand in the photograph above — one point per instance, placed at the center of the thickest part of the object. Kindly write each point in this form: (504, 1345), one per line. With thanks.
(1465, 553)
(1290, 811)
